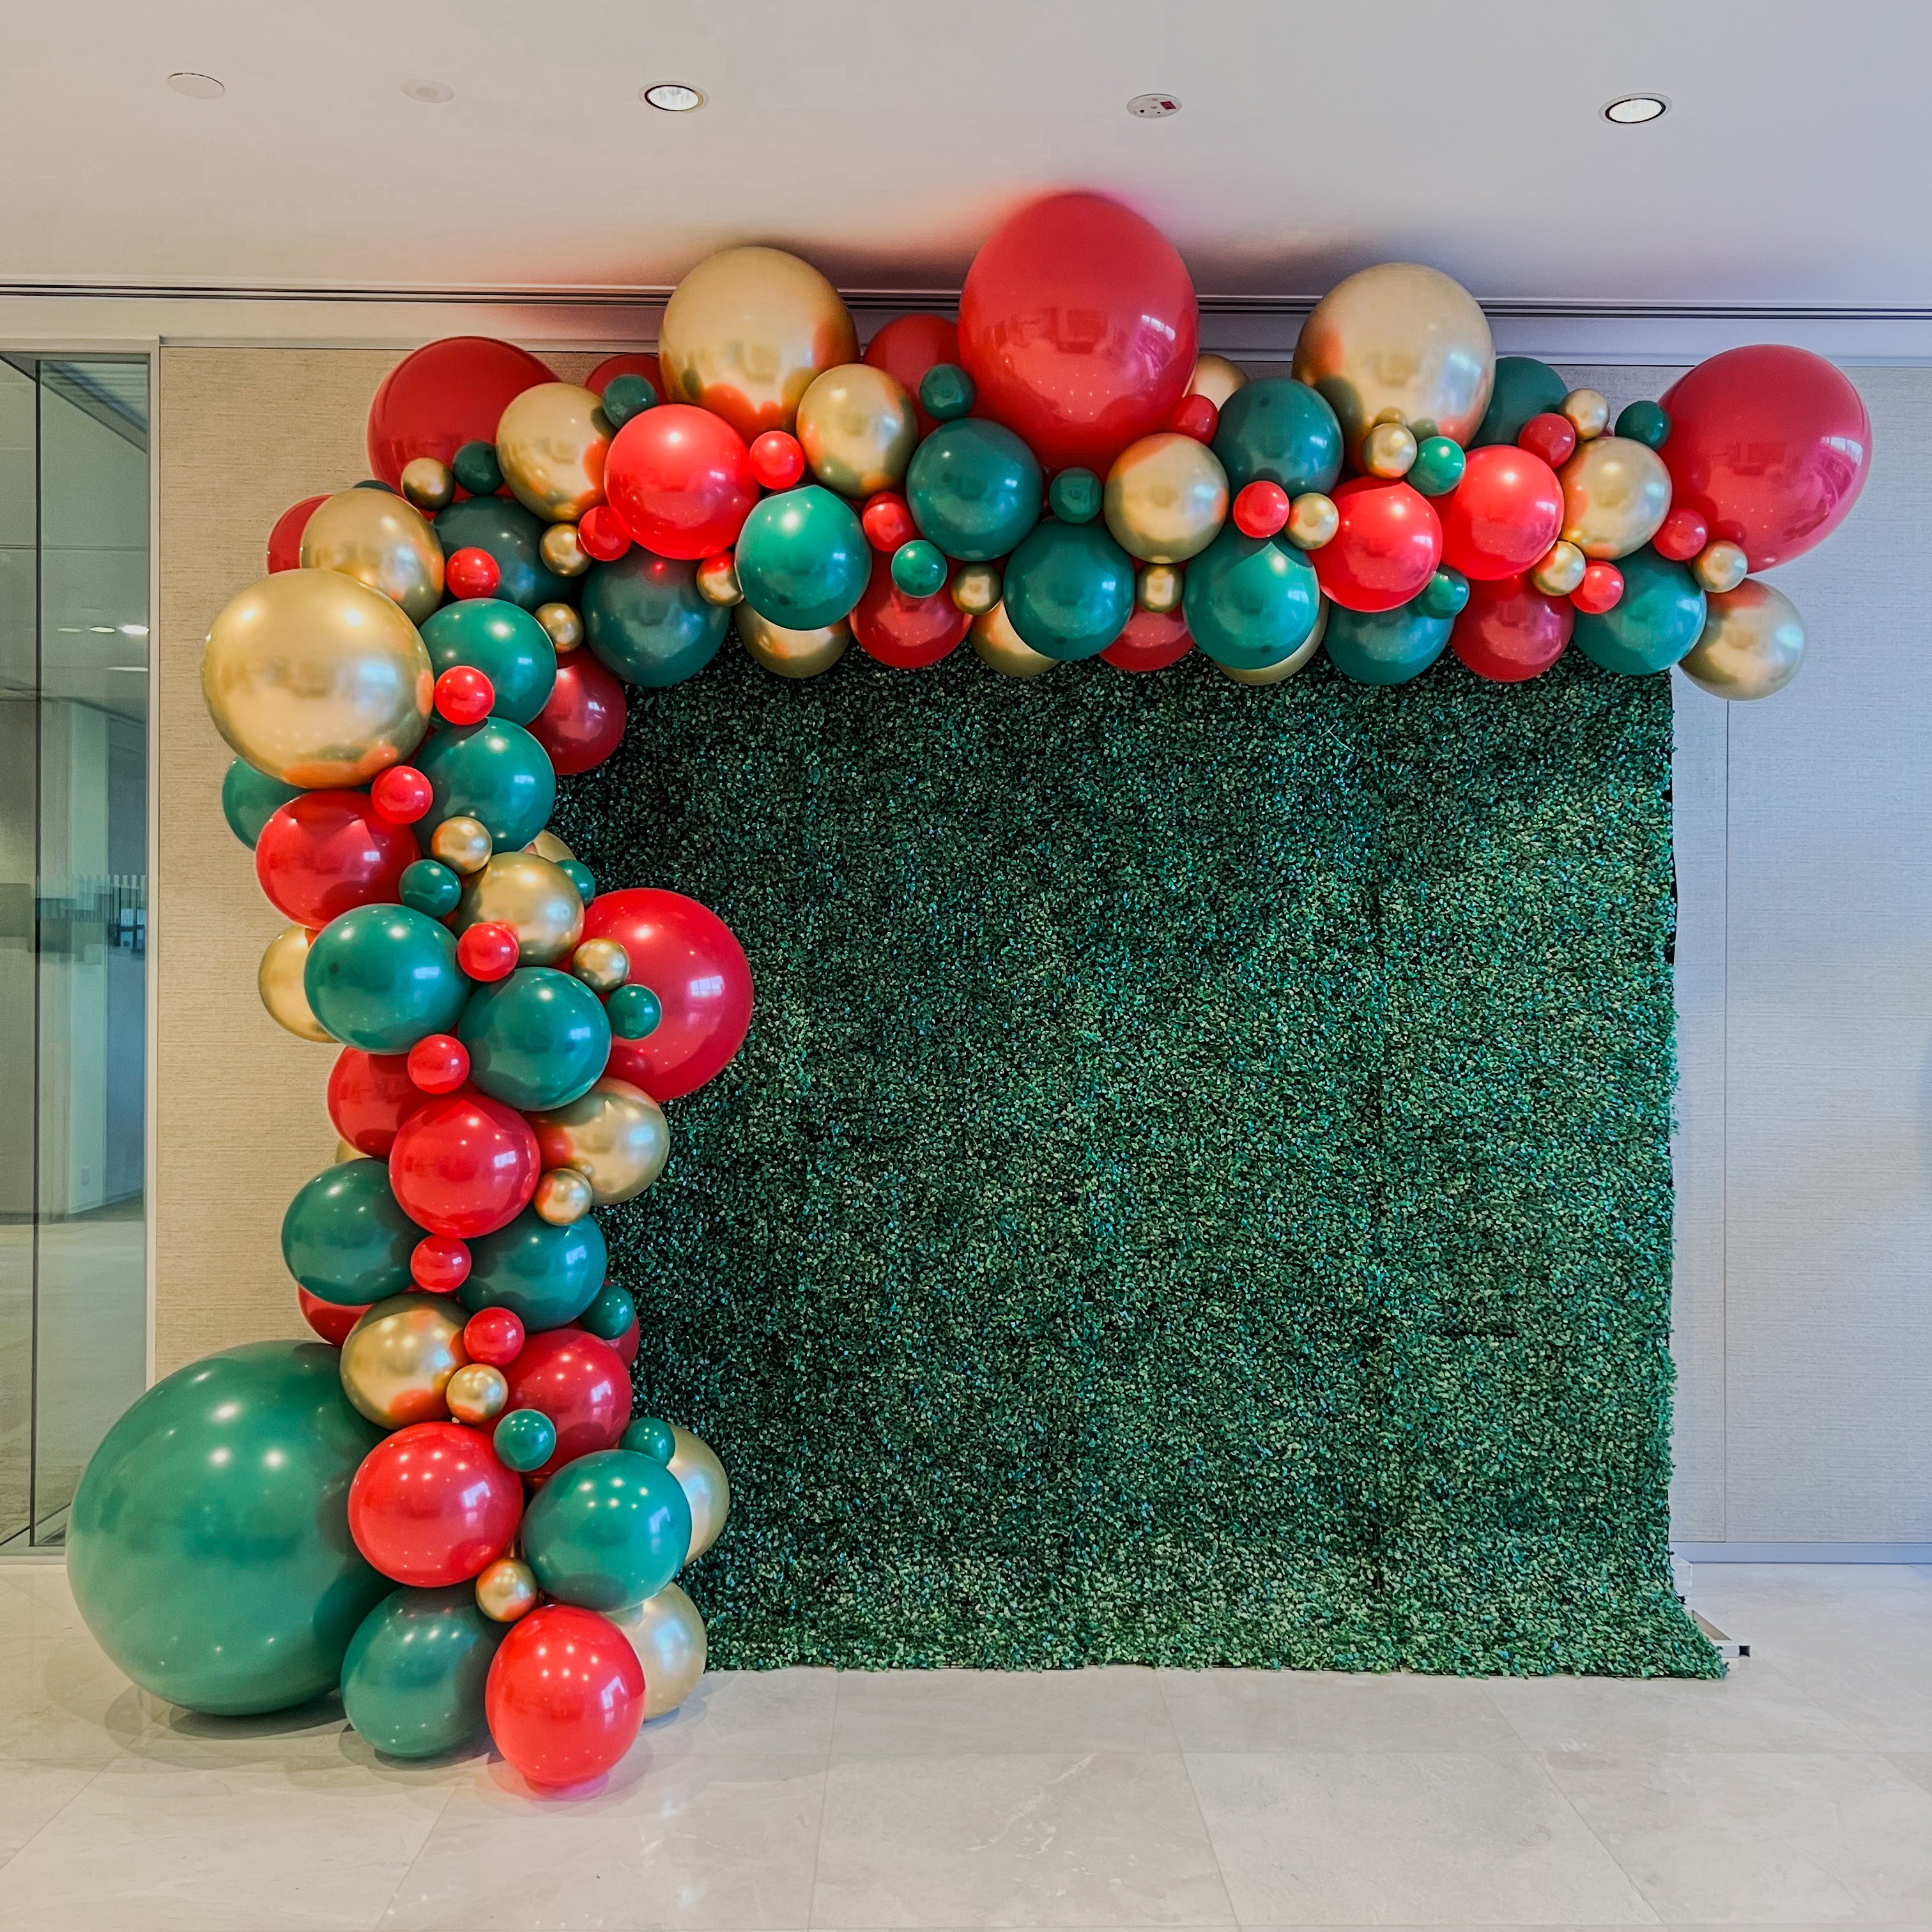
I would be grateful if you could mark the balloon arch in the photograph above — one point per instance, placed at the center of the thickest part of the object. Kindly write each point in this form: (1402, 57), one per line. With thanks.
(449, 1510)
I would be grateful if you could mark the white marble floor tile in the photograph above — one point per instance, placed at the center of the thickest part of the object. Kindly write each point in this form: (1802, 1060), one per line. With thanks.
(1917, 1765)
(1320, 1711)
(926, 1713)
(782, 1713)
(31, 1796)
(62, 1702)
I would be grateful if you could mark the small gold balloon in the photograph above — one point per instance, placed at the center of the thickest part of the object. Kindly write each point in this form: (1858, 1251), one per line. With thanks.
(563, 551)
(616, 1136)
(976, 588)
(1561, 571)
(547, 845)
(533, 897)
(1166, 498)
(1616, 494)
(668, 1636)
(279, 981)
(996, 643)
(428, 483)
(1313, 521)
(507, 1590)
(602, 965)
(562, 1195)
(701, 1477)
(381, 540)
(717, 581)
(1719, 567)
(461, 844)
(316, 679)
(551, 441)
(1281, 672)
(1215, 378)
(791, 653)
(397, 1361)
(476, 1393)
(347, 1151)
(1588, 413)
(1389, 451)
(562, 626)
(1752, 644)
(858, 429)
(1160, 588)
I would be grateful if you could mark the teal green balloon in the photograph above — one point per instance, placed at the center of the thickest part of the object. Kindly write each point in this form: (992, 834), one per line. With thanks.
(974, 488)
(1069, 590)
(945, 391)
(918, 568)
(607, 1531)
(412, 1681)
(511, 534)
(495, 772)
(505, 643)
(579, 876)
(633, 1012)
(1524, 388)
(381, 977)
(1384, 646)
(645, 622)
(1646, 423)
(803, 560)
(1444, 594)
(1658, 619)
(1279, 431)
(1074, 495)
(627, 396)
(1437, 469)
(650, 1435)
(544, 1275)
(429, 887)
(525, 1439)
(1248, 601)
(249, 799)
(611, 1313)
(345, 1237)
(208, 1547)
(475, 467)
(537, 1038)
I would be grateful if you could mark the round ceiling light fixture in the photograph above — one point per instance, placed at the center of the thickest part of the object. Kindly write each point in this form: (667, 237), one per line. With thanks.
(1632, 110)
(432, 93)
(197, 86)
(672, 96)
(1152, 107)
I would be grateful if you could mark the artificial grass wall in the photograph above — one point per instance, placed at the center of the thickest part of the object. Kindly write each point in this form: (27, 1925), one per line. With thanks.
(1196, 1188)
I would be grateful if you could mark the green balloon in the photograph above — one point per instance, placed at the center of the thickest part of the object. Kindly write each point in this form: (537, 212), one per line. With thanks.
(1658, 619)
(511, 534)
(974, 488)
(505, 643)
(579, 876)
(945, 391)
(1646, 423)
(209, 1546)
(381, 977)
(918, 568)
(1437, 469)
(611, 1313)
(1074, 495)
(1444, 594)
(537, 1038)
(526, 1439)
(645, 621)
(544, 1275)
(1279, 431)
(1384, 646)
(495, 772)
(627, 396)
(1524, 388)
(345, 1237)
(429, 887)
(803, 559)
(1248, 601)
(412, 1681)
(607, 1530)
(1069, 590)
(650, 1435)
(633, 1012)
(475, 467)
(249, 799)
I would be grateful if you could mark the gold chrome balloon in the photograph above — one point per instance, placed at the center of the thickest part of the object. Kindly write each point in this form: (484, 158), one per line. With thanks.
(858, 429)
(1616, 494)
(745, 332)
(397, 1361)
(668, 1636)
(976, 588)
(1561, 570)
(602, 965)
(315, 679)
(1719, 567)
(476, 1393)
(1389, 451)
(533, 897)
(428, 483)
(380, 540)
(1215, 378)
(562, 1195)
(1166, 498)
(996, 643)
(791, 653)
(547, 845)
(1160, 588)
(461, 844)
(1752, 644)
(551, 441)
(562, 626)
(279, 980)
(717, 581)
(507, 1590)
(563, 551)
(616, 1136)
(1281, 672)
(1589, 413)
(701, 1477)
(1313, 521)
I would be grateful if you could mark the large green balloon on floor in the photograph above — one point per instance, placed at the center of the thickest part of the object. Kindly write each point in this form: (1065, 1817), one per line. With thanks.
(495, 772)
(974, 488)
(1384, 646)
(1524, 388)
(412, 1681)
(1278, 430)
(1250, 601)
(546, 1276)
(511, 534)
(345, 1237)
(381, 977)
(249, 799)
(208, 1546)
(537, 1039)
(504, 642)
(646, 622)
(1069, 590)
(607, 1531)
(1658, 618)
(803, 561)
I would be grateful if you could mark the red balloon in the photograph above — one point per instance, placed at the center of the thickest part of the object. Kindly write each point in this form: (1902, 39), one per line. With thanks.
(679, 479)
(582, 721)
(471, 572)
(1195, 416)
(887, 521)
(431, 1505)
(371, 1095)
(580, 1381)
(488, 951)
(1079, 326)
(1601, 590)
(401, 794)
(439, 1263)
(600, 534)
(464, 695)
(1261, 510)
(1510, 631)
(778, 459)
(327, 851)
(1152, 641)
(285, 539)
(1680, 535)
(439, 1062)
(1387, 547)
(907, 633)
(910, 346)
(1503, 516)
(565, 1696)
(1550, 436)
(1770, 445)
(464, 1165)
(686, 954)
(329, 1319)
(443, 395)
(630, 362)
(493, 1335)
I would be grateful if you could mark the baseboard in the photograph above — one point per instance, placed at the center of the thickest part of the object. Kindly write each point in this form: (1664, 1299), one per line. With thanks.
(1804, 1553)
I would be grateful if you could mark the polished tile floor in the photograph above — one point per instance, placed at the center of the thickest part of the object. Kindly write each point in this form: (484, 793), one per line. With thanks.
(1799, 1793)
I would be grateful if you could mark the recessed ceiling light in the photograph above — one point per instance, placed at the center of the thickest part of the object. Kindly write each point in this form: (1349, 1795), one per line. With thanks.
(673, 96)
(1153, 106)
(1632, 109)
(197, 86)
(433, 91)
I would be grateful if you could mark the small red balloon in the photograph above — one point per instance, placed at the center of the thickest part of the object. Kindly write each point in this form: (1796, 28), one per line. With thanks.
(329, 1319)
(1509, 630)
(778, 459)
(488, 951)
(1152, 641)
(628, 362)
(285, 539)
(1549, 437)
(1502, 516)
(1601, 590)
(471, 572)
(580, 1381)
(401, 794)
(432, 1506)
(443, 395)
(1195, 416)
(582, 721)
(1261, 510)
(908, 633)
(326, 852)
(464, 1165)
(887, 521)
(493, 1335)
(439, 1263)
(565, 1696)
(1386, 548)
(438, 1063)
(464, 695)
(680, 480)
(1680, 535)
(600, 534)
(371, 1095)
(906, 348)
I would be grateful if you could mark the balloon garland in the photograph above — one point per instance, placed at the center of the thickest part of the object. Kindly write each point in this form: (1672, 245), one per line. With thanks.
(449, 1510)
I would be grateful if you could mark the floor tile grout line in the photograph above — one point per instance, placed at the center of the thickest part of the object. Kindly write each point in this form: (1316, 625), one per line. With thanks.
(402, 1876)
(1207, 1834)
(1629, 1877)
(824, 1800)
(48, 1823)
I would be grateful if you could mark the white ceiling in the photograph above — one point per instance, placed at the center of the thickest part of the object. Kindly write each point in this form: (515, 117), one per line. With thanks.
(884, 138)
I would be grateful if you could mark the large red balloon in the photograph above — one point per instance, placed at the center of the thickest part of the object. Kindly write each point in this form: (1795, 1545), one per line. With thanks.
(1509, 630)
(1386, 548)
(431, 1505)
(910, 346)
(581, 1382)
(1078, 325)
(907, 633)
(679, 479)
(326, 852)
(1503, 516)
(329, 1319)
(371, 1095)
(1152, 641)
(443, 395)
(285, 539)
(1770, 445)
(626, 362)
(565, 1695)
(464, 1165)
(686, 954)
(583, 723)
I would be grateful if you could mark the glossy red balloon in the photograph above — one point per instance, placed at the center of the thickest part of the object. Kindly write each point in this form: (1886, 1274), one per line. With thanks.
(1770, 445)
(1152, 641)
(630, 362)
(907, 633)
(602, 534)
(464, 1165)
(778, 459)
(1261, 510)
(329, 1319)
(439, 1263)
(472, 572)
(327, 851)
(1680, 535)
(582, 721)
(565, 1696)
(887, 521)
(488, 951)
(464, 695)
(1509, 630)
(443, 395)
(1550, 436)
(1078, 325)
(1386, 548)
(439, 1062)
(910, 346)
(581, 1382)
(401, 794)
(1601, 590)
(1195, 417)
(680, 480)
(1503, 516)
(431, 1505)
(285, 539)
(371, 1095)
(494, 1335)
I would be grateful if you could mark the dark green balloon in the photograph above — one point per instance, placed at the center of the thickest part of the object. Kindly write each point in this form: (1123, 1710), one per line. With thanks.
(429, 887)
(209, 1546)
(495, 772)
(607, 1530)
(1658, 619)
(1444, 594)
(1438, 468)
(633, 1012)
(525, 1439)
(1646, 423)
(377, 483)
(1069, 590)
(627, 396)
(1074, 495)
(803, 559)
(1248, 601)
(546, 1276)
(611, 1313)
(345, 1237)
(381, 977)
(579, 876)
(1279, 431)
(644, 620)
(511, 534)
(1524, 388)
(1384, 646)
(650, 1435)
(475, 467)
(945, 391)
(249, 799)
(918, 568)
(505, 643)
(537, 1038)
(412, 1681)
(974, 488)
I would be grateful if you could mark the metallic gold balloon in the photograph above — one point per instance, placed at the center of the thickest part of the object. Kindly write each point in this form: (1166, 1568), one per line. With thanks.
(428, 483)
(1166, 498)
(668, 1636)
(996, 643)
(615, 1136)
(1561, 571)
(1215, 378)
(976, 588)
(1313, 521)
(858, 429)
(507, 1590)
(1279, 673)
(717, 581)
(315, 679)
(562, 1195)
(397, 1361)
(1752, 644)
(746, 333)
(463, 844)
(1719, 567)
(602, 965)
(701, 1477)
(1389, 451)
(791, 653)
(562, 626)
(381, 540)
(476, 1393)
(1616, 494)
(547, 845)
(533, 897)
(1403, 337)
(551, 441)
(279, 981)
(563, 551)
(1160, 588)
(1589, 413)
